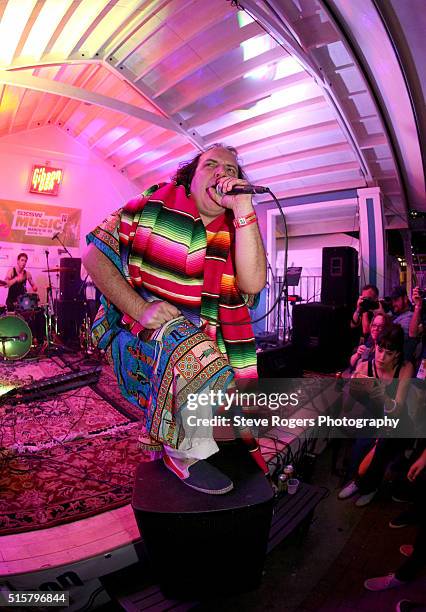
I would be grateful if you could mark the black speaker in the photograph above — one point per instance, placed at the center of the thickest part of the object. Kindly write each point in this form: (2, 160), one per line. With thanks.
(322, 336)
(217, 543)
(70, 315)
(339, 285)
(69, 279)
(279, 362)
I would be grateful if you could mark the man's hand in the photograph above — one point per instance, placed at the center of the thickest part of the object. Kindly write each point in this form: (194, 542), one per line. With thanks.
(155, 314)
(417, 298)
(417, 467)
(359, 302)
(241, 204)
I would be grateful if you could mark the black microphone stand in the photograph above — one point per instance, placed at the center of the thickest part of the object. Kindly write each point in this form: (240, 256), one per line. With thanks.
(49, 286)
(49, 313)
(56, 237)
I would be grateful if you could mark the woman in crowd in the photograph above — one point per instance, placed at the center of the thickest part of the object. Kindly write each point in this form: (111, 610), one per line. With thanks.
(379, 324)
(382, 389)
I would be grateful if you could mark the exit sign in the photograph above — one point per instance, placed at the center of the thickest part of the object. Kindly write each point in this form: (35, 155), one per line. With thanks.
(46, 180)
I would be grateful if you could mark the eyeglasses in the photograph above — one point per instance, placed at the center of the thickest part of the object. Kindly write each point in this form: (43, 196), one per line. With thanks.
(377, 326)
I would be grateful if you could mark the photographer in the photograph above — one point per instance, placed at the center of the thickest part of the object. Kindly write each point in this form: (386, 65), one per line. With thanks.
(367, 304)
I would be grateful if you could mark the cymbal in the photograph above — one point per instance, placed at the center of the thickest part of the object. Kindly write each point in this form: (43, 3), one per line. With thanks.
(3, 283)
(57, 269)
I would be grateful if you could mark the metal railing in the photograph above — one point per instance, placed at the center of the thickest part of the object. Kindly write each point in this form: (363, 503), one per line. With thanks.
(280, 321)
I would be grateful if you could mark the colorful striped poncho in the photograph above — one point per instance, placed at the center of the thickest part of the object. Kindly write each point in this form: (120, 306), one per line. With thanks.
(166, 252)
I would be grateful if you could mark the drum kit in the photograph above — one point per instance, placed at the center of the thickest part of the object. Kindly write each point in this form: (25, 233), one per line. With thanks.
(35, 326)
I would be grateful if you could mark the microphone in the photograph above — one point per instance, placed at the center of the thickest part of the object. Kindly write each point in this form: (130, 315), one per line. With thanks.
(238, 189)
(55, 235)
(21, 338)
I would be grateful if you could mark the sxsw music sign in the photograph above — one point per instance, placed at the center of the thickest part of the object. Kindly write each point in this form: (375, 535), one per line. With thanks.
(37, 223)
(45, 180)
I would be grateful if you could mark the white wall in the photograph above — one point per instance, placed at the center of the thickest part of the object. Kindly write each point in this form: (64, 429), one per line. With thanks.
(306, 251)
(89, 183)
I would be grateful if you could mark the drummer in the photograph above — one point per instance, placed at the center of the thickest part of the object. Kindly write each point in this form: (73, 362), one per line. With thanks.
(16, 279)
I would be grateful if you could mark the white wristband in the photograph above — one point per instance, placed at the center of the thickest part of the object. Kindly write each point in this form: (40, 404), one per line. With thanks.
(390, 410)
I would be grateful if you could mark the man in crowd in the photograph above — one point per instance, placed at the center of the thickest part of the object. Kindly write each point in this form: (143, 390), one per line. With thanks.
(417, 328)
(16, 279)
(401, 308)
(178, 267)
(403, 316)
(367, 304)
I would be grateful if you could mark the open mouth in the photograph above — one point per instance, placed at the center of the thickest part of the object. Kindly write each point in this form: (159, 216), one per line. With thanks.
(211, 191)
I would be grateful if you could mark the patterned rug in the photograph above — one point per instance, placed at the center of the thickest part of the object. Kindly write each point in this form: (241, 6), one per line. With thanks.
(68, 457)
(15, 374)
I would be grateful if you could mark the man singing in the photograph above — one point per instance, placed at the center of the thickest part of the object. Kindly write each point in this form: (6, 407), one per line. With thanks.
(178, 266)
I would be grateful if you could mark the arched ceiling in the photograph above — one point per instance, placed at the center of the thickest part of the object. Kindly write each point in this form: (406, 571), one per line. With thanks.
(309, 91)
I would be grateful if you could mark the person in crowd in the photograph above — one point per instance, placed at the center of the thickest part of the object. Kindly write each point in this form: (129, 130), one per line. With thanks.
(178, 267)
(379, 323)
(16, 279)
(402, 315)
(367, 304)
(417, 329)
(401, 308)
(383, 387)
(406, 491)
(415, 554)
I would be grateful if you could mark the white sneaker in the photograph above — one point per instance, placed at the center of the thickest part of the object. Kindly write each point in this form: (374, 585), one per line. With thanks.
(364, 500)
(348, 491)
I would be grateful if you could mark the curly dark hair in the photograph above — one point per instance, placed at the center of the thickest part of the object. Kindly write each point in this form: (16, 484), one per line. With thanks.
(186, 170)
(392, 339)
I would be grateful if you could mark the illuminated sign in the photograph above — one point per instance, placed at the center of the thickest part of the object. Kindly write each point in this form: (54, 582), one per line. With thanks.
(46, 180)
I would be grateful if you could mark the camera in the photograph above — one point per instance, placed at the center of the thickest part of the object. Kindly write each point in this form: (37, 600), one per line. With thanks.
(368, 304)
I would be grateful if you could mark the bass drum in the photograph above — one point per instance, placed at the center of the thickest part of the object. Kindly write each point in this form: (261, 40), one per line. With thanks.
(15, 337)
(27, 301)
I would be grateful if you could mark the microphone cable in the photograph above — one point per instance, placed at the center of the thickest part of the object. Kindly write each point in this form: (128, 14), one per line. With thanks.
(282, 291)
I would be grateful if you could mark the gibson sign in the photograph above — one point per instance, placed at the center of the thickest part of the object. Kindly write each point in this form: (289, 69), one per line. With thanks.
(45, 180)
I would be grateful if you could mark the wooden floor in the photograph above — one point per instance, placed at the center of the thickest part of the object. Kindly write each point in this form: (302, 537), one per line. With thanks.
(35, 550)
